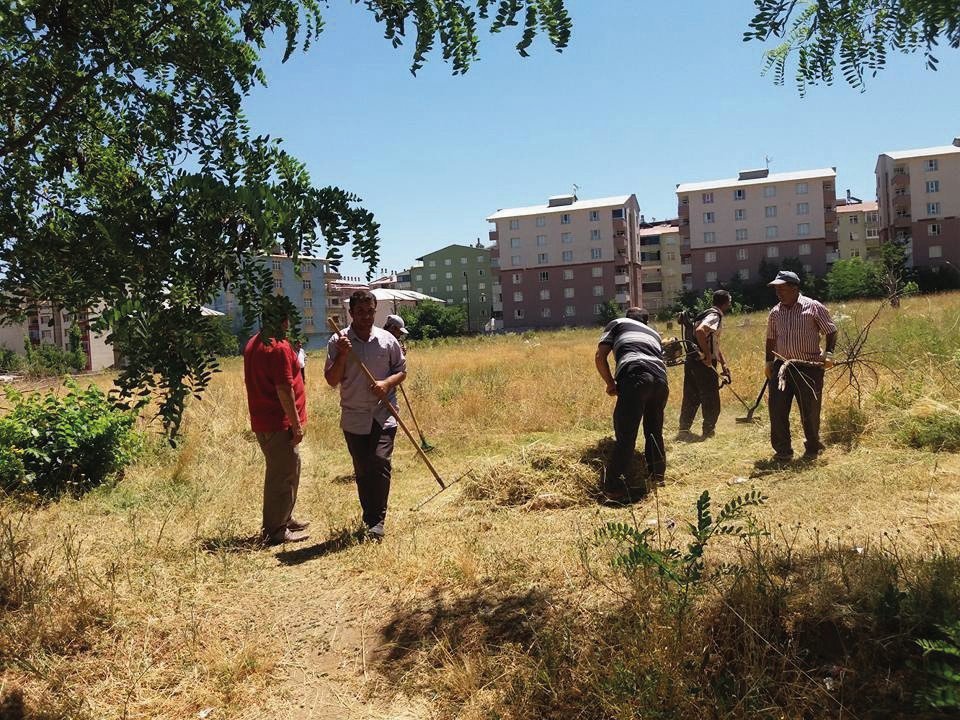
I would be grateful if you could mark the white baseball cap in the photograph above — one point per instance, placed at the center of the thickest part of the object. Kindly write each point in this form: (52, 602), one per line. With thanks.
(397, 322)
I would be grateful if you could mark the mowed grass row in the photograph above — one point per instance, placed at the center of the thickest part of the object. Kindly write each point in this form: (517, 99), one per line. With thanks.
(145, 598)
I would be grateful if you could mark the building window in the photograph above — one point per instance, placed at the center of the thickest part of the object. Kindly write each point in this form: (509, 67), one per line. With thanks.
(517, 278)
(617, 214)
(568, 292)
(514, 243)
(808, 268)
(481, 286)
(515, 260)
(854, 236)
(514, 224)
(598, 290)
(802, 188)
(541, 258)
(933, 208)
(276, 264)
(744, 274)
(568, 274)
(933, 186)
(773, 251)
(854, 220)
(480, 258)
(873, 218)
(594, 234)
(936, 251)
(517, 296)
(543, 276)
(739, 194)
(569, 311)
(463, 261)
(803, 229)
(307, 284)
(933, 229)
(565, 219)
(709, 238)
(545, 294)
(739, 214)
(854, 252)
(597, 309)
(803, 249)
(518, 313)
(741, 234)
(711, 277)
(596, 271)
(567, 255)
(710, 256)
(594, 216)
(448, 275)
(872, 233)
(566, 238)
(596, 253)
(899, 170)
(448, 261)
(433, 276)
(545, 312)
(803, 208)
(743, 254)
(707, 198)
(770, 211)
(708, 217)
(933, 165)
(770, 191)
(308, 302)
(541, 240)
(418, 277)
(541, 221)
(479, 272)
(771, 232)
(450, 290)
(433, 263)
(277, 284)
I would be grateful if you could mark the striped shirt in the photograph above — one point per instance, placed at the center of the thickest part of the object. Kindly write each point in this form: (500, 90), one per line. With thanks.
(797, 329)
(635, 343)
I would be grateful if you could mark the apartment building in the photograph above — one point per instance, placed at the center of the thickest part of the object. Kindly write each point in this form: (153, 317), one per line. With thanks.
(47, 324)
(918, 192)
(663, 271)
(559, 262)
(858, 230)
(727, 227)
(308, 292)
(459, 275)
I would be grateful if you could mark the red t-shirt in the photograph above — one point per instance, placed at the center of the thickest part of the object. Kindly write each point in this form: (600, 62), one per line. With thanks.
(265, 367)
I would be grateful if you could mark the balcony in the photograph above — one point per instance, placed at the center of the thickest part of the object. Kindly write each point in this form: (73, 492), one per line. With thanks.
(683, 211)
(900, 180)
(621, 279)
(497, 306)
(902, 221)
(622, 297)
(829, 215)
(686, 268)
(619, 225)
(620, 242)
(901, 202)
(832, 256)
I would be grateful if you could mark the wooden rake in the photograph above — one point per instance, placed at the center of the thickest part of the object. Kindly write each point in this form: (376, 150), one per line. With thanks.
(396, 414)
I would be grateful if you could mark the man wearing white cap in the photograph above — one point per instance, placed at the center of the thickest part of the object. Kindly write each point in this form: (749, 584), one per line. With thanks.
(395, 326)
(793, 334)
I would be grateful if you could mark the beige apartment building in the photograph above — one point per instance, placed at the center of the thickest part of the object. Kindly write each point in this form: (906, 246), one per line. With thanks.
(47, 324)
(858, 230)
(918, 192)
(727, 227)
(663, 271)
(556, 264)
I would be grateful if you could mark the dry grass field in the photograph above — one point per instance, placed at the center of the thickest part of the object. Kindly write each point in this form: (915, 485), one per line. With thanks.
(147, 599)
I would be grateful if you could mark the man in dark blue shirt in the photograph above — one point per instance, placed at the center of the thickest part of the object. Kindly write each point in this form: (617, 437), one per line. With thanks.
(640, 385)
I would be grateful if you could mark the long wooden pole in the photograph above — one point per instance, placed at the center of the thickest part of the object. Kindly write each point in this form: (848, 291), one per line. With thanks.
(393, 411)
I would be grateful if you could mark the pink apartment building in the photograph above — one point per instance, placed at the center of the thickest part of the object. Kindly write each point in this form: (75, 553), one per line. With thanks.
(556, 264)
(918, 193)
(727, 227)
(858, 229)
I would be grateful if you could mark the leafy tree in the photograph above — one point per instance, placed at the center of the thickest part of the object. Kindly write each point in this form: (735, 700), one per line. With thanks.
(130, 177)
(851, 278)
(430, 319)
(856, 35)
(610, 310)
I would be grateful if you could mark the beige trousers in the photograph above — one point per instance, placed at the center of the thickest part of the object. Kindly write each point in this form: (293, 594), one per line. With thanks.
(280, 481)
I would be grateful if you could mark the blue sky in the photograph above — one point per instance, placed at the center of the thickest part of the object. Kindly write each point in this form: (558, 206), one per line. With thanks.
(647, 95)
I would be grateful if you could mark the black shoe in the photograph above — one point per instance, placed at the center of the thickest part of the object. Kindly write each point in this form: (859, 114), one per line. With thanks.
(685, 436)
(707, 434)
(783, 457)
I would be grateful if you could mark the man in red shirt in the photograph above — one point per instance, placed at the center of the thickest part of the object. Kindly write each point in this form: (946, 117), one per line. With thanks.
(278, 412)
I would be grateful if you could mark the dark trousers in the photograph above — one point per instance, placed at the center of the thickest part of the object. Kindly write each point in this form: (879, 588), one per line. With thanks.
(805, 383)
(371, 455)
(701, 388)
(640, 397)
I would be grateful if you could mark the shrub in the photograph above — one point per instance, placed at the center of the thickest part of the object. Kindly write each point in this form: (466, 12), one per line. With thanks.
(52, 444)
(46, 360)
(938, 430)
(844, 425)
(9, 360)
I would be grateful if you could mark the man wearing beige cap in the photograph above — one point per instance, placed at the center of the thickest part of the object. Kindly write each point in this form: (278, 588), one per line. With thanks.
(794, 328)
(395, 326)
